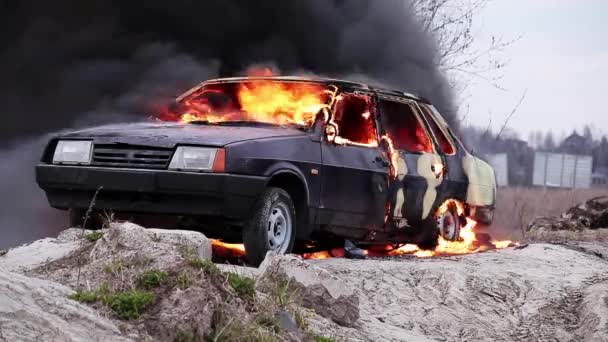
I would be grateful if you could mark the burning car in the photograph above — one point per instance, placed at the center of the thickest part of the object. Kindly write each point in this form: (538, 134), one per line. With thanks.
(280, 160)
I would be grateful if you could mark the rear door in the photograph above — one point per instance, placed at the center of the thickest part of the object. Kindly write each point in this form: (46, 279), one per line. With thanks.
(355, 170)
(417, 169)
(455, 184)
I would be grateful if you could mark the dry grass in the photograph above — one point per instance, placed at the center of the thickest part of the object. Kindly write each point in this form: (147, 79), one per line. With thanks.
(517, 207)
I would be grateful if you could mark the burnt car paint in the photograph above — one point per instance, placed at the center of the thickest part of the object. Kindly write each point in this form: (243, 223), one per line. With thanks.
(346, 189)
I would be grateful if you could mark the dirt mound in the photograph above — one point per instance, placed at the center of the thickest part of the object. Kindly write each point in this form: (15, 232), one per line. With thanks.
(143, 284)
(586, 221)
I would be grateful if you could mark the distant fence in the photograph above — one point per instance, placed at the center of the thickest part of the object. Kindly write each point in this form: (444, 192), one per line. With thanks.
(562, 170)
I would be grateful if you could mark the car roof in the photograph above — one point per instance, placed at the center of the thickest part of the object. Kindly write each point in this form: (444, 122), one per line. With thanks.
(322, 80)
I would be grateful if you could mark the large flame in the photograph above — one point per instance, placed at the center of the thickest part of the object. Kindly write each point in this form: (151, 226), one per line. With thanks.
(281, 102)
(257, 99)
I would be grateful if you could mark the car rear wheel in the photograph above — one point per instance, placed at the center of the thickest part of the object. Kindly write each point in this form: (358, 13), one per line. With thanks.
(449, 223)
(271, 227)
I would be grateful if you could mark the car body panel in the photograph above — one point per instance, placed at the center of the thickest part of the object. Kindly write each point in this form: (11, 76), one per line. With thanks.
(168, 135)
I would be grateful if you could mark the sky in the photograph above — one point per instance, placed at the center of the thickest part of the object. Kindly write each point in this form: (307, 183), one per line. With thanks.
(561, 61)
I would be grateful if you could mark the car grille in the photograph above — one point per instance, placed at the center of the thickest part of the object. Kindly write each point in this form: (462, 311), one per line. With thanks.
(131, 156)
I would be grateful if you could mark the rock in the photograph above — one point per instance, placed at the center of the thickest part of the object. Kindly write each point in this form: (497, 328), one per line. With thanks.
(37, 310)
(315, 287)
(163, 247)
(286, 321)
(30, 256)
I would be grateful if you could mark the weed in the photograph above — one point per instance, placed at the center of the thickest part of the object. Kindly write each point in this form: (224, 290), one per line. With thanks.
(206, 265)
(152, 278)
(129, 304)
(184, 280)
(244, 286)
(108, 219)
(282, 293)
(84, 296)
(94, 236)
(268, 321)
(115, 267)
(91, 296)
(301, 321)
(324, 339)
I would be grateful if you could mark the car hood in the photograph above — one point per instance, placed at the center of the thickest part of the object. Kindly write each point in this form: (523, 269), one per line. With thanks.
(171, 134)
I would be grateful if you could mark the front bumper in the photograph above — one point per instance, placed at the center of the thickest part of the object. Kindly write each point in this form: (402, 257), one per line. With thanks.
(150, 191)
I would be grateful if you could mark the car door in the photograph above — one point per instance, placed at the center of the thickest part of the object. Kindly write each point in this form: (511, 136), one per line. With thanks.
(355, 170)
(455, 179)
(416, 167)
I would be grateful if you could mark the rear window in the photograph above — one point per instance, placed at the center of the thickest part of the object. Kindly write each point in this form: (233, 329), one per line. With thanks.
(445, 144)
(403, 127)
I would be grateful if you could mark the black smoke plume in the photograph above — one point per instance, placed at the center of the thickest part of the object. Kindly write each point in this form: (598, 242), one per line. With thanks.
(68, 63)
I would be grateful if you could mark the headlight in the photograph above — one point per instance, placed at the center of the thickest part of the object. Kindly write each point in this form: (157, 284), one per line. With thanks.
(73, 152)
(193, 158)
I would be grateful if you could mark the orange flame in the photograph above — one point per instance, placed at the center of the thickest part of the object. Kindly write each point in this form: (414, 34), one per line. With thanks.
(228, 249)
(466, 244)
(255, 99)
(281, 102)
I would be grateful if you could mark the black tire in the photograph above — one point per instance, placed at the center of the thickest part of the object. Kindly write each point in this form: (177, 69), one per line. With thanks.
(256, 232)
(428, 235)
(76, 218)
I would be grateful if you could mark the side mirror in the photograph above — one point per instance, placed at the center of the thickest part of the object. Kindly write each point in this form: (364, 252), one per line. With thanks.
(331, 132)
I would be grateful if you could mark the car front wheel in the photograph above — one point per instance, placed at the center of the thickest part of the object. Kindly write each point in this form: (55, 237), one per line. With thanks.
(271, 227)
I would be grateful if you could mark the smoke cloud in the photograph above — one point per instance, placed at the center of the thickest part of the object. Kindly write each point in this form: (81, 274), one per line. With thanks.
(69, 63)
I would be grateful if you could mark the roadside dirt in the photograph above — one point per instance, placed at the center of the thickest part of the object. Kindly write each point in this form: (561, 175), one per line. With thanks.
(540, 292)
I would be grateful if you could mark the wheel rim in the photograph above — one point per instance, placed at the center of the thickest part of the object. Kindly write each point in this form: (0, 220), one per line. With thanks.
(279, 228)
(448, 226)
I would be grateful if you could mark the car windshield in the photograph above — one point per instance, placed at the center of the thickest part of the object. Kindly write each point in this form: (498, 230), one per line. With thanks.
(251, 102)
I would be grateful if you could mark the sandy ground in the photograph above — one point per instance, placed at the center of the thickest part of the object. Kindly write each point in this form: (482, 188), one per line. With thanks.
(542, 292)
(539, 293)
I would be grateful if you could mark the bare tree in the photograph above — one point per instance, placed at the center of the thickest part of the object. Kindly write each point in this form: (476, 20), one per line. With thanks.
(451, 22)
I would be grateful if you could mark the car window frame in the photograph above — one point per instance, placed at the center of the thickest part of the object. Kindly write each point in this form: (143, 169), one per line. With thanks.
(417, 115)
(442, 128)
(373, 113)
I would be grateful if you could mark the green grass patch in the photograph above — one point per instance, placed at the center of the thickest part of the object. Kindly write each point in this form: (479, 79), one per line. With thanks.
(93, 236)
(126, 305)
(152, 278)
(129, 304)
(85, 296)
(324, 339)
(244, 286)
